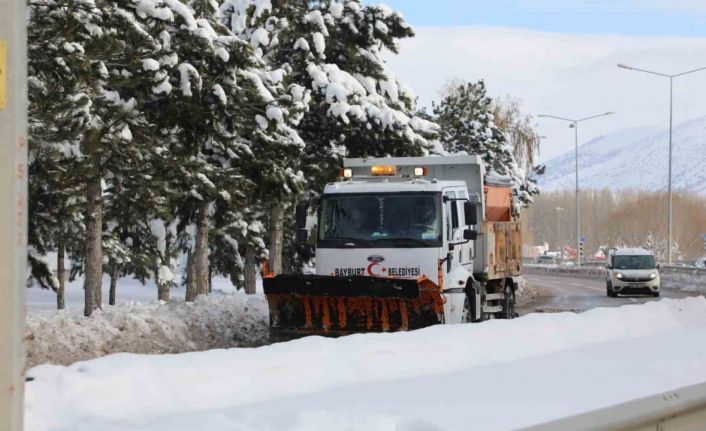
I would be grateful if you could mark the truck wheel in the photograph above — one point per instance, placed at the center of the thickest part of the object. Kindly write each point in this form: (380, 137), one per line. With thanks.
(609, 290)
(655, 294)
(508, 302)
(466, 314)
(470, 302)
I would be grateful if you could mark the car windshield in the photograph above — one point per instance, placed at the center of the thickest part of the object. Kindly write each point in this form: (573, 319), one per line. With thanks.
(377, 220)
(634, 262)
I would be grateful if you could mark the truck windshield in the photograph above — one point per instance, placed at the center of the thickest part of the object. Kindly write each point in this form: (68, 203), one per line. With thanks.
(381, 220)
(634, 262)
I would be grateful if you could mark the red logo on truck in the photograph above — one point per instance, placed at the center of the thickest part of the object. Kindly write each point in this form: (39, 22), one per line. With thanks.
(375, 261)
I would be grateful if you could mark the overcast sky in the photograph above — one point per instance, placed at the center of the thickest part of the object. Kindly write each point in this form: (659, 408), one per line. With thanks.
(560, 58)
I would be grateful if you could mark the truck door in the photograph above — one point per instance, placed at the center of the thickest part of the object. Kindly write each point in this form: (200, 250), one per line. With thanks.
(465, 250)
(454, 227)
(455, 276)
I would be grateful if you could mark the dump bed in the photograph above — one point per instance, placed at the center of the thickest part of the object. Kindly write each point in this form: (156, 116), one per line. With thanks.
(499, 248)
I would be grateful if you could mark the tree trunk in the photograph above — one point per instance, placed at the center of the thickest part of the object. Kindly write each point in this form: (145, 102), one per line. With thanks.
(94, 227)
(113, 285)
(162, 287)
(250, 271)
(201, 250)
(276, 239)
(210, 279)
(191, 291)
(61, 275)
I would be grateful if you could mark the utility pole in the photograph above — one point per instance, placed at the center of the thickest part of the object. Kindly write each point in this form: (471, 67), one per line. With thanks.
(575, 125)
(558, 232)
(671, 126)
(13, 210)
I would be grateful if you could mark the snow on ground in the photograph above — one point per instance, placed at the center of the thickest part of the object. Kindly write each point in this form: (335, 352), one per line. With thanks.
(128, 291)
(140, 324)
(500, 374)
(176, 326)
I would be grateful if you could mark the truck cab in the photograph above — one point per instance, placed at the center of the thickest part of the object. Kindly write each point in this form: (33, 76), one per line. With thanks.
(399, 228)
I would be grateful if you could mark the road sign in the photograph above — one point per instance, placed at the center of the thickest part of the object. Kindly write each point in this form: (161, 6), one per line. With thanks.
(584, 239)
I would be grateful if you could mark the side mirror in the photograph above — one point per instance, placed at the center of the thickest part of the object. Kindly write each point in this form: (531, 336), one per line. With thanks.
(470, 234)
(449, 258)
(469, 213)
(659, 266)
(302, 235)
(301, 213)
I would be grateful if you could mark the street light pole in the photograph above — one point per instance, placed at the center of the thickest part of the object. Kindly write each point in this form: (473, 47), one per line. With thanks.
(671, 117)
(575, 125)
(669, 182)
(558, 232)
(578, 197)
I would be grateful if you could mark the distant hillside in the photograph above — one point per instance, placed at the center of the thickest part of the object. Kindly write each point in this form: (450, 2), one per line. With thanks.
(635, 159)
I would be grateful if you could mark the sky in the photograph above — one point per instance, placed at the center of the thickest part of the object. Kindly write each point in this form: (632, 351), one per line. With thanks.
(629, 17)
(560, 58)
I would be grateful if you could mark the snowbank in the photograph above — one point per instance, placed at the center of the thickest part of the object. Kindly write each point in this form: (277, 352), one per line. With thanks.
(176, 326)
(500, 374)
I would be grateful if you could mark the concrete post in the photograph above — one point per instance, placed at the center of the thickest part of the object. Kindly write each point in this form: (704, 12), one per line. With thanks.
(13, 210)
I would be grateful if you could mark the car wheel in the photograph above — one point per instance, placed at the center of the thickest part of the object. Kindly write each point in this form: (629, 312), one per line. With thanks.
(609, 290)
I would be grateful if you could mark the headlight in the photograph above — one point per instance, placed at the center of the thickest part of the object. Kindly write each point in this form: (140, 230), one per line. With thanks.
(653, 275)
(618, 275)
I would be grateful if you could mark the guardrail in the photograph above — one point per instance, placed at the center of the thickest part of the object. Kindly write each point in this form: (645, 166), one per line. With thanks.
(682, 409)
(591, 272)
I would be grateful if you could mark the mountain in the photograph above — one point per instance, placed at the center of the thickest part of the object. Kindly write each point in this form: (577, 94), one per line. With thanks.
(635, 159)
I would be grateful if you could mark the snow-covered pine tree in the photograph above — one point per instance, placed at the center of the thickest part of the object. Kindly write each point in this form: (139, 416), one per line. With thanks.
(465, 116)
(96, 58)
(330, 54)
(227, 123)
(56, 220)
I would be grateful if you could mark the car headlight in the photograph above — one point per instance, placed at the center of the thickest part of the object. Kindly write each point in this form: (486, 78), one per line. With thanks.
(653, 275)
(618, 275)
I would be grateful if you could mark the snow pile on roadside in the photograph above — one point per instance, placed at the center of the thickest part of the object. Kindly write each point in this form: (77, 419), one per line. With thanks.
(176, 326)
(688, 282)
(440, 377)
(525, 292)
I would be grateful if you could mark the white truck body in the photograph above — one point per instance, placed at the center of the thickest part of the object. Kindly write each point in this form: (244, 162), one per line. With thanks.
(456, 176)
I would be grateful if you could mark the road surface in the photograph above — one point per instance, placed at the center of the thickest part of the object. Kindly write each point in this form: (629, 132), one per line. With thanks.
(556, 293)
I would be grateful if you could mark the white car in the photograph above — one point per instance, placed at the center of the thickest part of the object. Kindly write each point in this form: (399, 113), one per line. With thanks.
(632, 271)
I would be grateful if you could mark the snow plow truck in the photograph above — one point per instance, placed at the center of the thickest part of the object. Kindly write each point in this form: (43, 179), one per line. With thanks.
(401, 244)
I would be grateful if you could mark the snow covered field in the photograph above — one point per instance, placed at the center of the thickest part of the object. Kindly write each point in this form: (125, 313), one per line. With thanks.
(491, 376)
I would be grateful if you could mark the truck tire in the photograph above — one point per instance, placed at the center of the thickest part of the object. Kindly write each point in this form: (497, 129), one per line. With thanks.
(508, 302)
(470, 301)
(467, 314)
(655, 294)
(609, 290)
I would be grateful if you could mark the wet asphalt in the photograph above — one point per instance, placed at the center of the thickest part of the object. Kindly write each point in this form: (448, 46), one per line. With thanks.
(557, 294)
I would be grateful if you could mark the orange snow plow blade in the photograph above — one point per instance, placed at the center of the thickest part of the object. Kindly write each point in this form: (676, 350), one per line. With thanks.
(325, 305)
